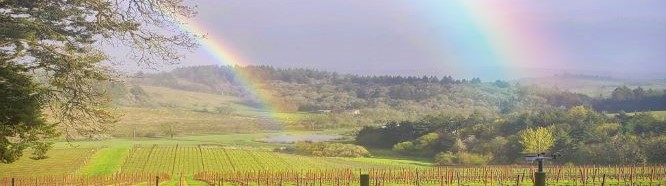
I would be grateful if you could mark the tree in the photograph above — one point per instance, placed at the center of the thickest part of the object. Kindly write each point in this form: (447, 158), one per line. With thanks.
(622, 93)
(60, 43)
(458, 146)
(536, 140)
(170, 128)
(21, 121)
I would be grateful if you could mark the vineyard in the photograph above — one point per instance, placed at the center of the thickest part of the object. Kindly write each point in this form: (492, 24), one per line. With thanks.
(495, 175)
(115, 179)
(194, 159)
(215, 165)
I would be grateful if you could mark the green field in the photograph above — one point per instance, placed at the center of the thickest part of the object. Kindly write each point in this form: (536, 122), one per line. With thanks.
(61, 162)
(191, 154)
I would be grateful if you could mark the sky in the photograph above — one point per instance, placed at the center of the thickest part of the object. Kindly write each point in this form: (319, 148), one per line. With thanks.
(491, 39)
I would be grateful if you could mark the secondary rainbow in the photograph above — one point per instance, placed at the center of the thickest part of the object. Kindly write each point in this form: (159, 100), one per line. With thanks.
(508, 36)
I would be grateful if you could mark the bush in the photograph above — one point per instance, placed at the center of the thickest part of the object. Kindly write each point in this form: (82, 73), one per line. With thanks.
(422, 146)
(445, 158)
(461, 158)
(404, 147)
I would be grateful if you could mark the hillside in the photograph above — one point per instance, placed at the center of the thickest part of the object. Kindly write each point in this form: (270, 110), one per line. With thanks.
(593, 86)
(209, 99)
(309, 90)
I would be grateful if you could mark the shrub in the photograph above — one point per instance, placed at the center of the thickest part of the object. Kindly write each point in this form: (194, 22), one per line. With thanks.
(403, 147)
(461, 158)
(445, 158)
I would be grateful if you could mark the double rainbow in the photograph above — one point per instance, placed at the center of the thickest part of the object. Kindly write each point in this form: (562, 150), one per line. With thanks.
(501, 35)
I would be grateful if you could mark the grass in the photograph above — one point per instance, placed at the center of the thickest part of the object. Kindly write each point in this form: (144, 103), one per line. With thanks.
(105, 162)
(59, 162)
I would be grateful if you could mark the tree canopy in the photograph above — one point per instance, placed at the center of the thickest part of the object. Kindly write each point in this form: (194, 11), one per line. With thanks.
(538, 140)
(57, 48)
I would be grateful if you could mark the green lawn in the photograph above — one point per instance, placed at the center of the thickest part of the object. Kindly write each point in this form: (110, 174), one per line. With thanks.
(106, 161)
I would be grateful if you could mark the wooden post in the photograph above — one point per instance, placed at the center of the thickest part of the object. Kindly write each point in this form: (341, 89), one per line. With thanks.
(365, 180)
(13, 181)
(157, 180)
(518, 180)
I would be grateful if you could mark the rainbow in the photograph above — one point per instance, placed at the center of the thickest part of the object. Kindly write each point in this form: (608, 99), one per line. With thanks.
(225, 56)
(503, 37)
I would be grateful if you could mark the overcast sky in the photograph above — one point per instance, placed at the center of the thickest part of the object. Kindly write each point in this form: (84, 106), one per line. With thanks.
(622, 37)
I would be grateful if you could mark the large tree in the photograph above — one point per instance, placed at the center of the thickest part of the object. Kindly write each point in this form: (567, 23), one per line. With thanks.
(56, 47)
(538, 140)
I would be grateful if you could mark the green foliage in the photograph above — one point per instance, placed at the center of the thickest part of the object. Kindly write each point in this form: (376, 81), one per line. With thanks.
(56, 41)
(445, 158)
(618, 150)
(406, 147)
(21, 122)
(422, 146)
(461, 158)
(40, 149)
(458, 146)
(625, 99)
(581, 134)
(655, 149)
(538, 140)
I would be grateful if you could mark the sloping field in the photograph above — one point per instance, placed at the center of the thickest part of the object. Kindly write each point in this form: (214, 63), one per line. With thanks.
(60, 162)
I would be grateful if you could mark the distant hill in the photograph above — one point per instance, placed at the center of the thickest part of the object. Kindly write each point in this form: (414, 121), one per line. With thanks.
(591, 85)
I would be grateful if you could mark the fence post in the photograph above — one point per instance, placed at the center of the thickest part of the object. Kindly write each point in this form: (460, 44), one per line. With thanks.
(365, 179)
(13, 181)
(157, 180)
(518, 180)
